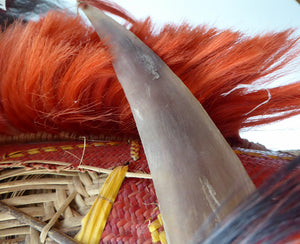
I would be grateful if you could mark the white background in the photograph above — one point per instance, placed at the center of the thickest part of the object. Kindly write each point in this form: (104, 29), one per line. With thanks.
(248, 16)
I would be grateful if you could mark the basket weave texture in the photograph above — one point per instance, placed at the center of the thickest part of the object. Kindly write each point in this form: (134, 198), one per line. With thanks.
(38, 178)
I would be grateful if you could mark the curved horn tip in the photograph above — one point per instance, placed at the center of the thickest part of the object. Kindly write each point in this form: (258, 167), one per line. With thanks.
(192, 166)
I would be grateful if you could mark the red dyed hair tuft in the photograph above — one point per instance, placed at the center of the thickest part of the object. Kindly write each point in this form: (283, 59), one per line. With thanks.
(56, 75)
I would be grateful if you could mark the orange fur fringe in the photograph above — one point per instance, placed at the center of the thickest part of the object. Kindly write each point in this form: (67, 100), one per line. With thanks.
(56, 75)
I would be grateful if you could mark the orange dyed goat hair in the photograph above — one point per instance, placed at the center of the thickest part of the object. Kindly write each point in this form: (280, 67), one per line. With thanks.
(56, 75)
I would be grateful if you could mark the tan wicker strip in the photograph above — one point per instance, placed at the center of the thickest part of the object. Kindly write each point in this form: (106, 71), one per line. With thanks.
(55, 234)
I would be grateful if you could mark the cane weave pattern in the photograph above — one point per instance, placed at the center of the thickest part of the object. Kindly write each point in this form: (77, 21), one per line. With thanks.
(38, 178)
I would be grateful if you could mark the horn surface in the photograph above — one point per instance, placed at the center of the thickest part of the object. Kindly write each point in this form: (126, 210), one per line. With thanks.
(193, 168)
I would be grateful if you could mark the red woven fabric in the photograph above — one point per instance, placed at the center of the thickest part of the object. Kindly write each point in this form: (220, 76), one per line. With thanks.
(136, 203)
